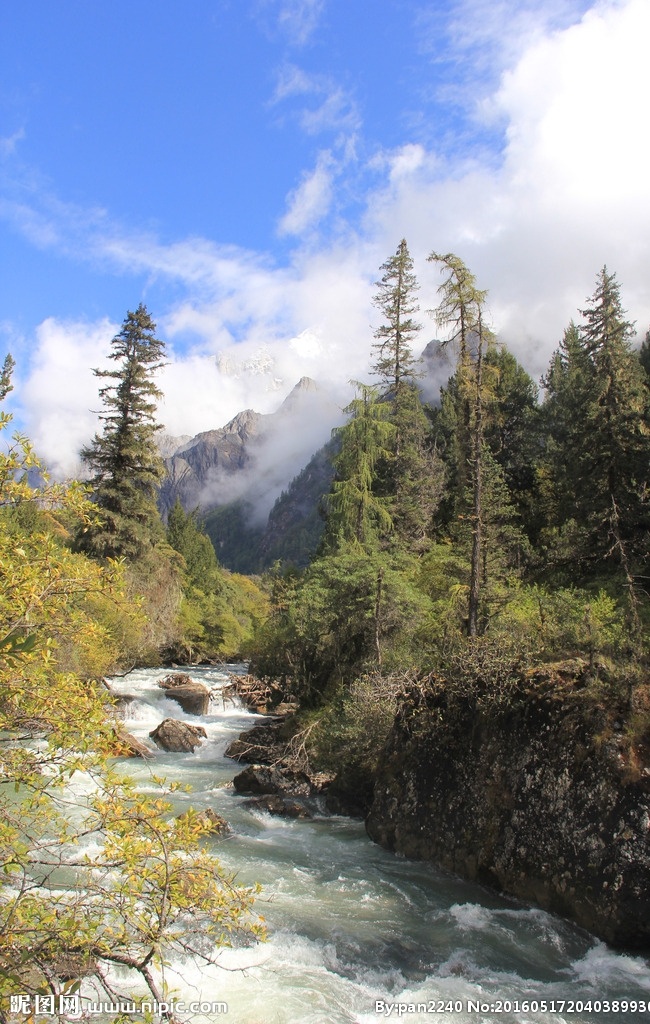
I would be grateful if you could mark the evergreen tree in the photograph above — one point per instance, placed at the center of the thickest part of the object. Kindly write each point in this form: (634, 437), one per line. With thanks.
(187, 537)
(644, 357)
(615, 459)
(461, 309)
(355, 514)
(596, 415)
(5, 376)
(395, 364)
(411, 479)
(513, 433)
(568, 384)
(124, 458)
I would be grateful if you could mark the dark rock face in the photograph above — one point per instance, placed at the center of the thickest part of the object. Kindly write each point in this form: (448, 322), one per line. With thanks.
(541, 799)
(178, 737)
(193, 697)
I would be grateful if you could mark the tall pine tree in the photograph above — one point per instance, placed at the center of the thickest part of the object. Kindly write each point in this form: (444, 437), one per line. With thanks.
(461, 309)
(124, 458)
(356, 516)
(597, 416)
(411, 479)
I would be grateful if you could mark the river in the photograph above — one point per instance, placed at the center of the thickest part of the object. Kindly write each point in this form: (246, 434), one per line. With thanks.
(355, 931)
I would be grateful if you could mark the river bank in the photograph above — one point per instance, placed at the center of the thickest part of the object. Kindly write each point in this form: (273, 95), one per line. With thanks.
(350, 923)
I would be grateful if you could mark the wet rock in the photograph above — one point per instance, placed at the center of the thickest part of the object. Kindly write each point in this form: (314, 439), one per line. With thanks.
(127, 745)
(262, 779)
(193, 697)
(263, 744)
(178, 737)
(122, 702)
(274, 804)
(213, 822)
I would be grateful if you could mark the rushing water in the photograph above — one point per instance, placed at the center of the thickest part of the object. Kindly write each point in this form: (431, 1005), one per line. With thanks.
(350, 924)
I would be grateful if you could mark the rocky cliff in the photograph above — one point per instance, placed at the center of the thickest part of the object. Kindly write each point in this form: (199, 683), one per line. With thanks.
(543, 793)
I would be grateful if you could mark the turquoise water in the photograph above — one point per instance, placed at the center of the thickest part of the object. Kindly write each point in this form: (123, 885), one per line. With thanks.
(359, 935)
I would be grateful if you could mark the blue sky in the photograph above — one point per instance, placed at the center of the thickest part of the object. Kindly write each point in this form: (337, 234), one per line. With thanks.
(245, 166)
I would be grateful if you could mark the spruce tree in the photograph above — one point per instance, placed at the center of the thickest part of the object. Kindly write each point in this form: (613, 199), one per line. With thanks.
(461, 309)
(615, 459)
(395, 364)
(124, 458)
(598, 451)
(411, 479)
(356, 516)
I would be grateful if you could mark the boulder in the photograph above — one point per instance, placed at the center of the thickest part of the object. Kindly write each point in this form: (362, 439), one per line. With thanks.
(274, 804)
(213, 822)
(262, 779)
(193, 697)
(178, 737)
(127, 745)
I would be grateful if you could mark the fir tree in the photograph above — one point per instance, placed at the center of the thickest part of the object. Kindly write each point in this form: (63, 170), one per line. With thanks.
(461, 309)
(5, 376)
(395, 364)
(355, 514)
(596, 414)
(615, 459)
(411, 478)
(126, 465)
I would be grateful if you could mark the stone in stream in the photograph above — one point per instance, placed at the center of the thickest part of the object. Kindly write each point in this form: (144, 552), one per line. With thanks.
(193, 697)
(278, 805)
(262, 779)
(127, 745)
(178, 737)
(213, 822)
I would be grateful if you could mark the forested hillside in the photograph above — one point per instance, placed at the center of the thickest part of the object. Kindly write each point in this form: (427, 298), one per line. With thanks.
(479, 557)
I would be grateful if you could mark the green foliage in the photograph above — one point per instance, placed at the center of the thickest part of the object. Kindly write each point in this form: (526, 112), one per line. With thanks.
(349, 734)
(597, 455)
(124, 459)
(346, 612)
(355, 514)
(218, 610)
(395, 298)
(102, 877)
(230, 531)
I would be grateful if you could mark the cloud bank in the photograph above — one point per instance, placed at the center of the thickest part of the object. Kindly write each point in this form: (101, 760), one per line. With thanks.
(568, 192)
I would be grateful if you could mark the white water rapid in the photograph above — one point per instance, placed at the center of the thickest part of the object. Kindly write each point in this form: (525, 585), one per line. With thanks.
(355, 932)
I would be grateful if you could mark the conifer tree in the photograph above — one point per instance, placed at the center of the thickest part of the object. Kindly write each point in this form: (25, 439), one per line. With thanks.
(395, 364)
(461, 309)
(599, 444)
(411, 479)
(124, 458)
(355, 515)
(615, 460)
(5, 376)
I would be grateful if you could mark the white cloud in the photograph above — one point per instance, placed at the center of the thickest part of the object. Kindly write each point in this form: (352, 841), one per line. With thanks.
(334, 109)
(299, 18)
(570, 193)
(60, 396)
(311, 200)
(9, 143)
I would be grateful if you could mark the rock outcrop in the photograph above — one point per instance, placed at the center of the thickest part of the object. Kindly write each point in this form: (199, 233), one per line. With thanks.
(178, 737)
(193, 697)
(543, 794)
